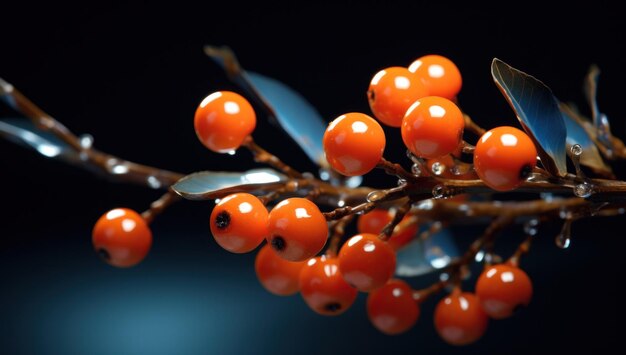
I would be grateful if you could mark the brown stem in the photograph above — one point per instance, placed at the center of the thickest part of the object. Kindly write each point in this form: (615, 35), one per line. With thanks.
(109, 165)
(338, 229)
(263, 156)
(488, 236)
(423, 294)
(471, 126)
(387, 231)
(522, 249)
(394, 169)
(157, 207)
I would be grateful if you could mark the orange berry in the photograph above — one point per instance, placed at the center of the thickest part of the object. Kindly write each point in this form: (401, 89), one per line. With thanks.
(354, 143)
(122, 237)
(277, 275)
(439, 74)
(366, 262)
(323, 288)
(504, 158)
(459, 319)
(223, 120)
(391, 308)
(375, 220)
(297, 229)
(433, 127)
(239, 222)
(391, 93)
(502, 289)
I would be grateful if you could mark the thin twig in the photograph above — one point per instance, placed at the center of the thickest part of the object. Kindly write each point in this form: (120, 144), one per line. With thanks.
(159, 206)
(263, 156)
(338, 229)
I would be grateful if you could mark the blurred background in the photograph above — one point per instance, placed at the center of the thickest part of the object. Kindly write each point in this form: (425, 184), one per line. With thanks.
(133, 74)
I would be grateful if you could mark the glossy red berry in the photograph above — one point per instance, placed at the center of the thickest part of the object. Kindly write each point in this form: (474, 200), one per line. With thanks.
(391, 308)
(439, 74)
(374, 221)
(277, 275)
(504, 158)
(366, 262)
(502, 289)
(223, 120)
(433, 127)
(459, 319)
(391, 93)
(323, 288)
(354, 143)
(239, 222)
(122, 237)
(297, 229)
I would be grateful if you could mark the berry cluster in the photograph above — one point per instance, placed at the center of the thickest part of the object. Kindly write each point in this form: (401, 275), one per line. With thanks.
(421, 101)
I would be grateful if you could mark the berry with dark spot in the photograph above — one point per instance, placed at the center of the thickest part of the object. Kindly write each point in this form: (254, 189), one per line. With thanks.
(121, 237)
(297, 229)
(239, 222)
(324, 289)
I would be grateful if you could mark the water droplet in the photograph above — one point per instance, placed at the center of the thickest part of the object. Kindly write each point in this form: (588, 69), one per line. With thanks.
(437, 168)
(217, 200)
(416, 170)
(562, 241)
(583, 190)
(375, 196)
(86, 141)
(576, 150)
(547, 196)
(341, 203)
(530, 227)
(153, 182)
(231, 152)
(425, 205)
(401, 182)
(456, 170)
(324, 175)
(444, 276)
(438, 191)
(479, 256)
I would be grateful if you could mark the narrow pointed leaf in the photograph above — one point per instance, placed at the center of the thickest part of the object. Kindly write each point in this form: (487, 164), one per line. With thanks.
(282, 104)
(206, 185)
(538, 111)
(420, 257)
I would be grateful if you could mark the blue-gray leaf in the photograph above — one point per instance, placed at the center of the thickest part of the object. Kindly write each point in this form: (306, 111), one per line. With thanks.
(577, 134)
(420, 257)
(22, 131)
(538, 111)
(206, 185)
(294, 114)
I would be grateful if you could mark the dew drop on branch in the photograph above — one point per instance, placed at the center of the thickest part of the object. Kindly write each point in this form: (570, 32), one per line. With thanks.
(438, 191)
(583, 190)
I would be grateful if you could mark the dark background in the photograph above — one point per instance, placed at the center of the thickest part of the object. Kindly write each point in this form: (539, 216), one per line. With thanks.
(132, 76)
